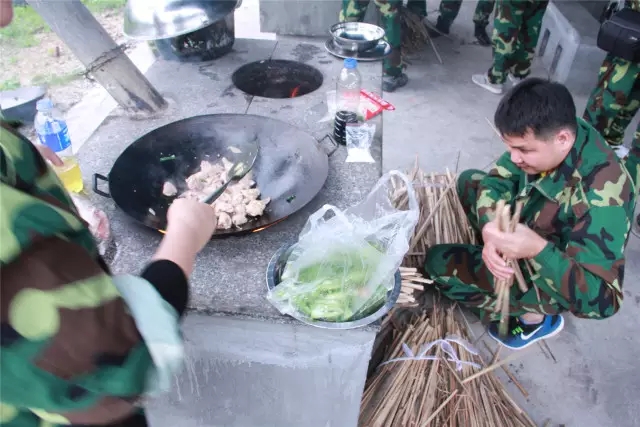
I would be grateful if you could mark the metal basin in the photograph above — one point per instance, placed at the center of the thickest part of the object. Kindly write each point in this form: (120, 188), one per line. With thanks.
(19, 105)
(161, 19)
(356, 36)
(276, 268)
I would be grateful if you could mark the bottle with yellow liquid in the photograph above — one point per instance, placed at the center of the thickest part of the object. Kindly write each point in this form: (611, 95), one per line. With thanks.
(53, 132)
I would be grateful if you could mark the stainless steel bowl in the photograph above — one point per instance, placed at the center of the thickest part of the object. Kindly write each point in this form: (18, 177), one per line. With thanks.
(162, 19)
(356, 36)
(276, 268)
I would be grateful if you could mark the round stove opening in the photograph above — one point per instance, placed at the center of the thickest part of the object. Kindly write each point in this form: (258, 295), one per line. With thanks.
(277, 78)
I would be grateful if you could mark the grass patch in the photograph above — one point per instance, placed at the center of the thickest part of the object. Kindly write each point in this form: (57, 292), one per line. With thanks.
(54, 79)
(27, 23)
(10, 84)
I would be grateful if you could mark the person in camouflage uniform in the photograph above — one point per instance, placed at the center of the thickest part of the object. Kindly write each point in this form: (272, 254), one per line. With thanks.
(448, 12)
(355, 10)
(578, 206)
(72, 353)
(616, 98)
(515, 36)
(73, 348)
(481, 16)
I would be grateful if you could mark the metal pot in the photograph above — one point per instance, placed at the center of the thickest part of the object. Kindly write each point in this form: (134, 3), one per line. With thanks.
(205, 44)
(356, 36)
(162, 19)
(19, 105)
(291, 168)
(276, 268)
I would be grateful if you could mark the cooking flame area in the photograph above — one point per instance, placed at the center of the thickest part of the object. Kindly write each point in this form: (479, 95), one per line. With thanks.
(277, 79)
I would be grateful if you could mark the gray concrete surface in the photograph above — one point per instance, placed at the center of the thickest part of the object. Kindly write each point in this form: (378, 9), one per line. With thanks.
(441, 116)
(249, 366)
(567, 46)
(303, 17)
(248, 373)
(207, 89)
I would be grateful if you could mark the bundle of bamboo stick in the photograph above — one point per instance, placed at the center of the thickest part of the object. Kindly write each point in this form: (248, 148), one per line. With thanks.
(415, 36)
(442, 219)
(425, 393)
(412, 283)
(507, 224)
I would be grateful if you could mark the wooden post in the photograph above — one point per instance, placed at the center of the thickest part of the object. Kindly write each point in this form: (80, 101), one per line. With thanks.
(105, 60)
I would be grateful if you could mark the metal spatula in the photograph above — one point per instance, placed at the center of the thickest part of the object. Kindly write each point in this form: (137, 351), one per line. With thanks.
(244, 163)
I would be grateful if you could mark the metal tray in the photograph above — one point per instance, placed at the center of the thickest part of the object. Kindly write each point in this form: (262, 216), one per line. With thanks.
(276, 268)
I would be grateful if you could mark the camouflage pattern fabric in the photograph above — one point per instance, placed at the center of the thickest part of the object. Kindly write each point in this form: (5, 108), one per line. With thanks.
(448, 10)
(516, 29)
(584, 208)
(483, 12)
(354, 11)
(615, 101)
(71, 353)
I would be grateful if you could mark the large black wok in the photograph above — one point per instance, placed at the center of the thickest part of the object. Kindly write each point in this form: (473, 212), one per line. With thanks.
(291, 167)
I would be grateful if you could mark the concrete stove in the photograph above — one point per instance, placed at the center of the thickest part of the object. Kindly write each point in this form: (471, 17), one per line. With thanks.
(249, 366)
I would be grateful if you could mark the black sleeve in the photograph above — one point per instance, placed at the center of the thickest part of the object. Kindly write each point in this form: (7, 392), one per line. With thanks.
(170, 282)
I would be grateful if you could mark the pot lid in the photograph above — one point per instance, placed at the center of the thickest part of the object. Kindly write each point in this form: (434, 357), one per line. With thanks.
(162, 19)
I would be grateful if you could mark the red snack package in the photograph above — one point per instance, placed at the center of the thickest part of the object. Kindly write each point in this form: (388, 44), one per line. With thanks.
(371, 105)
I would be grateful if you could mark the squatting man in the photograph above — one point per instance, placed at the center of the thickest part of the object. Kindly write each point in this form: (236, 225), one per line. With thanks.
(578, 208)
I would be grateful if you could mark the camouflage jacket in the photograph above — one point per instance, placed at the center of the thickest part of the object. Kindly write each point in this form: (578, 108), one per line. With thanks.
(71, 352)
(584, 208)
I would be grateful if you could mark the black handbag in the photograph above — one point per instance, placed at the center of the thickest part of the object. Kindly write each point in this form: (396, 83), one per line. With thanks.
(620, 35)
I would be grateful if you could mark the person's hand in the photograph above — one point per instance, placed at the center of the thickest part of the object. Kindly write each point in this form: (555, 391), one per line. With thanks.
(495, 263)
(49, 155)
(522, 243)
(191, 221)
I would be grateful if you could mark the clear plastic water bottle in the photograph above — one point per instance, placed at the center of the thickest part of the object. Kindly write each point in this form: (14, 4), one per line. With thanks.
(53, 132)
(348, 87)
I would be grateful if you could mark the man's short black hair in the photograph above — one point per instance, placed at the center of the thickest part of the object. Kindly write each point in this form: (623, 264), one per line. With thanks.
(535, 104)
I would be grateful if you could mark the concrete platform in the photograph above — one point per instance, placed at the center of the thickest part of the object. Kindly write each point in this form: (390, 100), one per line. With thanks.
(441, 116)
(248, 365)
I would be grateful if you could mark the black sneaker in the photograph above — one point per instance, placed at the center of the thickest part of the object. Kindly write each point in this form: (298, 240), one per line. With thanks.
(520, 335)
(391, 83)
(481, 35)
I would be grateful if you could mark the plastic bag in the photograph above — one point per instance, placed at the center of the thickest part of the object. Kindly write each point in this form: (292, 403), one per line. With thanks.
(343, 264)
(98, 224)
(370, 106)
(359, 138)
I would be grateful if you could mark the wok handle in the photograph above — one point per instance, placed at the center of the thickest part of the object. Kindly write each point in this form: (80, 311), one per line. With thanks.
(96, 177)
(330, 138)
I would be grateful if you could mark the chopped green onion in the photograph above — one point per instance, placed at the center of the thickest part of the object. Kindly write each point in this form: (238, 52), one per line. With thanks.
(171, 157)
(290, 199)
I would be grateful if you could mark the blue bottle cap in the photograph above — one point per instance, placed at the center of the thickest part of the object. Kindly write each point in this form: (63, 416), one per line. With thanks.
(350, 63)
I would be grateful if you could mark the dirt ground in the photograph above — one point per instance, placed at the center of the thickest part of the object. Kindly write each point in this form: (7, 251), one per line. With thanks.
(50, 62)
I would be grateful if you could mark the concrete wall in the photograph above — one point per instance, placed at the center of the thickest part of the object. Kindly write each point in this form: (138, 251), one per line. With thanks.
(303, 17)
(250, 373)
(567, 46)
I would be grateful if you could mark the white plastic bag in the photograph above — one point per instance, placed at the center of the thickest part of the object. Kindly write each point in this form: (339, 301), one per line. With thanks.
(359, 139)
(343, 264)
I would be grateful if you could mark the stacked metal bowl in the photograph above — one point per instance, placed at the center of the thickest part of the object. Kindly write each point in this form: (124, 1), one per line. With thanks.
(356, 36)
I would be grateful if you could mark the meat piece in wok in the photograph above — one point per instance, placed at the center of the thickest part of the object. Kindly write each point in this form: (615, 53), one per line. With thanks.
(237, 204)
(169, 190)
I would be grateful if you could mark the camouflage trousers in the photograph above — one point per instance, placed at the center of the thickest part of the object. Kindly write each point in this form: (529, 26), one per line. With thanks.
(483, 12)
(515, 36)
(612, 105)
(448, 10)
(354, 11)
(460, 274)
(615, 99)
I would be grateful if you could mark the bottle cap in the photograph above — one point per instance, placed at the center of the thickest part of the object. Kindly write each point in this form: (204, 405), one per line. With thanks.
(350, 63)
(44, 104)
